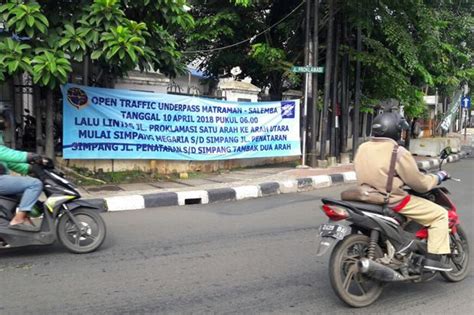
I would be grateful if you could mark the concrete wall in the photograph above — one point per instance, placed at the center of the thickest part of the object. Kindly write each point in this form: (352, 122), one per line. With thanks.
(146, 82)
(433, 146)
(183, 82)
(238, 90)
(233, 95)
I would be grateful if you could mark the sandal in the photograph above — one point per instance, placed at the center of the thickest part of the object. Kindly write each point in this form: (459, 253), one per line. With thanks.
(23, 227)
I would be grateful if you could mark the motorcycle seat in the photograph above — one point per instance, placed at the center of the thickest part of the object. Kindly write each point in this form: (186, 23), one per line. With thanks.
(355, 204)
(366, 206)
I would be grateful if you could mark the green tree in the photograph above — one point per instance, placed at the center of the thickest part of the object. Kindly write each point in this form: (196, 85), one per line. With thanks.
(411, 46)
(110, 37)
(225, 37)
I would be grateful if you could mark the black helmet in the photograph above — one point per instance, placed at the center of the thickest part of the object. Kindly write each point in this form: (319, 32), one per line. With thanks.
(389, 125)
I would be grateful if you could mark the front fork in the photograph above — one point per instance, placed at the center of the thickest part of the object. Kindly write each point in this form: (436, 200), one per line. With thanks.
(72, 218)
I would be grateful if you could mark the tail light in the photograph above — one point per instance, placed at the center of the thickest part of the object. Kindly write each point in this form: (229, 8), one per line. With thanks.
(335, 213)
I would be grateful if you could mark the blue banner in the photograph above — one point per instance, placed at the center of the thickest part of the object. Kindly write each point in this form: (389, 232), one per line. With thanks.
(121, 124)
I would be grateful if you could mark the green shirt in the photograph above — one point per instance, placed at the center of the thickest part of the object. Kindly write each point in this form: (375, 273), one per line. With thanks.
(12, 159)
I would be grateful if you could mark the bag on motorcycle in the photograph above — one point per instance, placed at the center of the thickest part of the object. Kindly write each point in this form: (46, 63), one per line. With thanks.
(363, 193)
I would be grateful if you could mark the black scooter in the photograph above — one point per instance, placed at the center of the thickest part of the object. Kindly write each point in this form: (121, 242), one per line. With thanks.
(74, 222)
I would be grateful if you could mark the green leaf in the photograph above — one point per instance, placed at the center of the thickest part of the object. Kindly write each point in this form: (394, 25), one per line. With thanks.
(96, 54)
(63, 42)
(132, 55)
(30, 20)
(38, 68)
(43, 19)
(21, 25)
(62, 72)
(53, 67)
(12, 66)
(69, 28)
(46, 77)
(112, 52)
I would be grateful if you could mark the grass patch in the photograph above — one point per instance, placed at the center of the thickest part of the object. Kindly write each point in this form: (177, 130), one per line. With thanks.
(136, 176)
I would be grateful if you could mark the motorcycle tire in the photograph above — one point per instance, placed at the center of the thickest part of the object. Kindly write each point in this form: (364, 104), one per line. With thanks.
(344, 276)
(459, 261)
(89, 239)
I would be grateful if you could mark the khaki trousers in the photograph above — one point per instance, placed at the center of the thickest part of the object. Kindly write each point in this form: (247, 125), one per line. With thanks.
(435, 218)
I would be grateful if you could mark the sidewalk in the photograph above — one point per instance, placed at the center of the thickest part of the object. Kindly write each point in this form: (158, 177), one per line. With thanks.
(228, 186)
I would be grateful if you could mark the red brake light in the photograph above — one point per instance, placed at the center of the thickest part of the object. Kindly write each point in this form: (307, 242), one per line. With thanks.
(335, 213)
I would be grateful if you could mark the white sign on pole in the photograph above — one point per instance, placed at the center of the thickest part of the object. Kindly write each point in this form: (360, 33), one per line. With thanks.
(430, 99)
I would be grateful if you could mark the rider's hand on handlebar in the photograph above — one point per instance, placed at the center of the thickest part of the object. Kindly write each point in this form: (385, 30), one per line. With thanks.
(37, 171)
(442, 176)
(34, 158)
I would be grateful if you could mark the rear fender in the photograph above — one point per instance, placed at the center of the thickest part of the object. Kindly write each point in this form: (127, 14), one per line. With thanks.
(326, 242)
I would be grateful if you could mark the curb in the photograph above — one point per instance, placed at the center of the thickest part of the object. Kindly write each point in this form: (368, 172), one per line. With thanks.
(181, 198)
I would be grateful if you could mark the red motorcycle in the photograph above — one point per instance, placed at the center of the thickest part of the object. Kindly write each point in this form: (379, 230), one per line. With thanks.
(366, 255)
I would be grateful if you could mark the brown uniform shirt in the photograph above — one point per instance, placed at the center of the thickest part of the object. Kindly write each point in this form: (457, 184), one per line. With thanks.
(372, 163)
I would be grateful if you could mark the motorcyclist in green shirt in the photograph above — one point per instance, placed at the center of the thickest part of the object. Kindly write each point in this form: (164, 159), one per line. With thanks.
(30, 188)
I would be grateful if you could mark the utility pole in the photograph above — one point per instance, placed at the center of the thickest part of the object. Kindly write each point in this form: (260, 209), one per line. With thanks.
(345, 96)
(327, 78)
(315, 112)
(355, 122)
(306, 82)
(335, 119)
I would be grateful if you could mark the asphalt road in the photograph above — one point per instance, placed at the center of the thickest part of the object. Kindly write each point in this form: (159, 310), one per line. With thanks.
(246, 257)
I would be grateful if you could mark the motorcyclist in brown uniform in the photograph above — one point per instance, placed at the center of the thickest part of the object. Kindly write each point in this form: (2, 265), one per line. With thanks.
(372, 163)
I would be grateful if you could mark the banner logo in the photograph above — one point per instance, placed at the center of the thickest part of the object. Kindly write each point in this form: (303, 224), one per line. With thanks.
(77, 97)
(288, 109)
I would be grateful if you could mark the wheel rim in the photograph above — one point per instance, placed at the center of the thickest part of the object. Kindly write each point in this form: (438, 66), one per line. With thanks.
(354, 283)
(459, 256)
(87, 235)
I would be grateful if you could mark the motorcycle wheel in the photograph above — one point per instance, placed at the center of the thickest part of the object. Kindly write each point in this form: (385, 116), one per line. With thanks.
(84, 240)
(350, 286)
(459, 257)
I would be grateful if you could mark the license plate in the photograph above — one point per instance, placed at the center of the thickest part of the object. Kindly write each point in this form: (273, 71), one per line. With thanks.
(333, 230)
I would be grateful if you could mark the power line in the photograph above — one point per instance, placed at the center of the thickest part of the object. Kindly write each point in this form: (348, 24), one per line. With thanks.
(248, 39)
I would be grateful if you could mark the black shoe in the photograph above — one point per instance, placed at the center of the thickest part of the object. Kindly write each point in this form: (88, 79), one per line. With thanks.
(434, 262)
(407, 248)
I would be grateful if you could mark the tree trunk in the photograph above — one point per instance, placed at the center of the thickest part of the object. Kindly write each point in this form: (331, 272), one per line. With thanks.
(39, 123)
(85, 80)
(356, 123)
(275, 89)
(49, 148)
(364, 126)
(315, 111)
(327, 78)
(11, 117)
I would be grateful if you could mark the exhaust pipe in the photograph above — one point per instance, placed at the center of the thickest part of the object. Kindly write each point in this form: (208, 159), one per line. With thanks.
(378, 271)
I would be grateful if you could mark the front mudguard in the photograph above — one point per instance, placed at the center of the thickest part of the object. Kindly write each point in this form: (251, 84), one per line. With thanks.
(80, 203)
